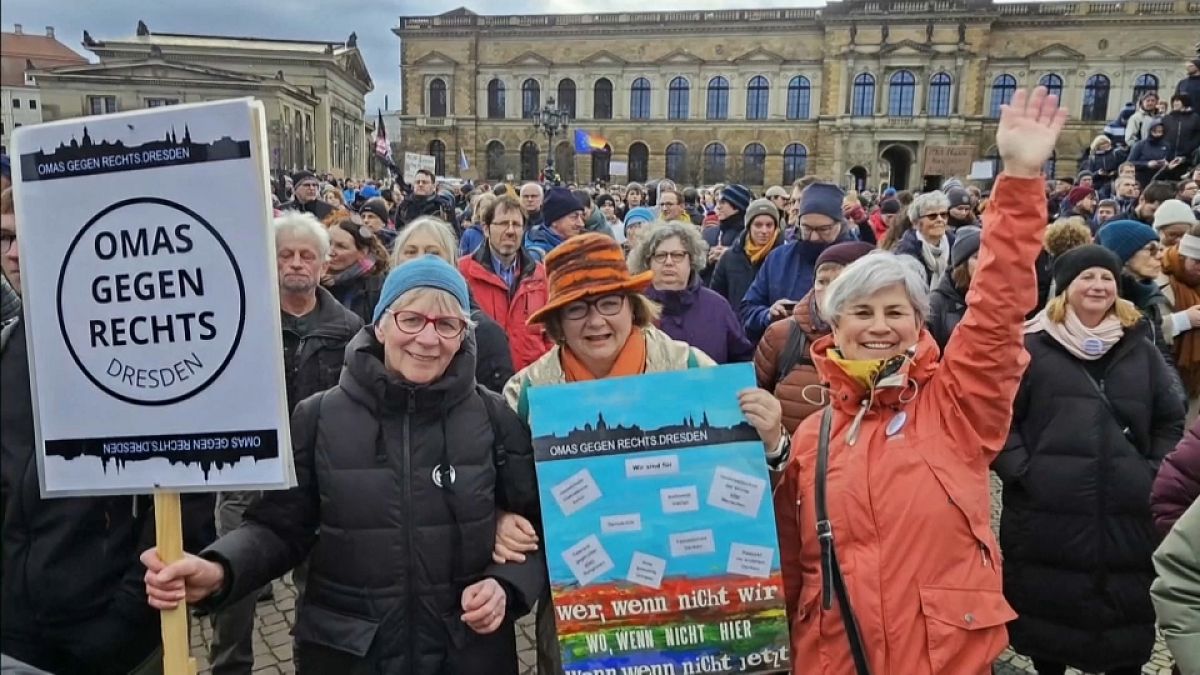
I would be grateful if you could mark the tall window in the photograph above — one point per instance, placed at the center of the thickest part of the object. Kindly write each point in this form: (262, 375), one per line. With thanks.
(714, 163)
(639, 99)
(602, 107)
(939, 95)
(902, 90)
(799, 98)
(1095, 99)
(677, 162)
(495, 100)
(795, 163)
(438, 150)
(1003, 88)
(639, 162)
(717, 106)
(566, 96)
(600, 160)
(1053, 84)
(677, 99)
(437, 97)
(754, 162)
(529, 161)
(99, 105)
(495, 161)
(531, 97)
(758, 95)
(862, 102)
(1146, 84)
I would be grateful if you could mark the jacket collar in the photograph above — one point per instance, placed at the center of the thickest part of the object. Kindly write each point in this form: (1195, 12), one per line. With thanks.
(525, 264)
(676, 302)
(848, 395)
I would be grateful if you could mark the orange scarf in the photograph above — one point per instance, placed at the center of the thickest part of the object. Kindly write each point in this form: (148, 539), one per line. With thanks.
(1187, 345)
(757, 253)
(631, 360)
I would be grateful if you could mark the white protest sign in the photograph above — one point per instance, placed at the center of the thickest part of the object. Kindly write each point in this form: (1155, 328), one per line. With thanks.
(151, 301)
(414, 162)
(618, 168)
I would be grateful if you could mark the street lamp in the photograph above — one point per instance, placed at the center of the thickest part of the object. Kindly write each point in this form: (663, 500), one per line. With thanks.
(551, 120)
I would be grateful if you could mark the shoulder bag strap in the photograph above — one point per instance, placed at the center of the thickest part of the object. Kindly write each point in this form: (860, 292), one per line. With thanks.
(1120, 420)
(832, 582)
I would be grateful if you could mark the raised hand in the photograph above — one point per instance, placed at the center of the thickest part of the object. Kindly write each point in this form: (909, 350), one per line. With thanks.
(1029, 128)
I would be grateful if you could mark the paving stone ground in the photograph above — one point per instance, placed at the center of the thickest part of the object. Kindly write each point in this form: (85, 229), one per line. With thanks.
(273, 643)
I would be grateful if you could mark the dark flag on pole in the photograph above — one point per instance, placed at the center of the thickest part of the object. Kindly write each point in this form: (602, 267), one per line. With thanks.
(382, 147)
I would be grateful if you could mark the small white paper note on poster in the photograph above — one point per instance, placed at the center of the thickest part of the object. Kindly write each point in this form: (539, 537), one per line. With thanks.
(680, 499)
(750, 561)
(696, 542)
(623, 522)
(646, 570)
(662, 465)
(576, 492)
(588, 560)
(736, 492)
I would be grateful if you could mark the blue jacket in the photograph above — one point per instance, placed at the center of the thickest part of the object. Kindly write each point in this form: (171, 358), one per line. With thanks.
(472, 237)
(788, 272)
(541, 240)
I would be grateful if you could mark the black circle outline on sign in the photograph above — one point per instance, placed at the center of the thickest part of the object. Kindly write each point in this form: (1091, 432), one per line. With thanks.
(237, 273)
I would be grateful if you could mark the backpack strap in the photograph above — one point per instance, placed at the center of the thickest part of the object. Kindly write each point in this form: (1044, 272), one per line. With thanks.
(499, 452)
(795, 351)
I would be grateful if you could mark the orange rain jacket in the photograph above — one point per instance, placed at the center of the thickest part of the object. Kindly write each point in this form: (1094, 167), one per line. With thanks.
(910, 504)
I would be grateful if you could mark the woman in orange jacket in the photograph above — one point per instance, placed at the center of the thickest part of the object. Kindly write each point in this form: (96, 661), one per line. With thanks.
(888, 557)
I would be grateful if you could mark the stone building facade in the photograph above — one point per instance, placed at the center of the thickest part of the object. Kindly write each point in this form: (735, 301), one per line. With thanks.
(314, 92)
(20, 97)
(855, 91)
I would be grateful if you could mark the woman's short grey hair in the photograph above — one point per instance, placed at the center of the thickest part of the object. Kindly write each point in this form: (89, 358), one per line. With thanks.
(872, 273)
(658, 232)
(440, 231)
(306, 225)
(926, 203)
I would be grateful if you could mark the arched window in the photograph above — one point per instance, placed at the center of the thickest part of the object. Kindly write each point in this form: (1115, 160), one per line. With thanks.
(799, 98)
(639, 162)
(1095, 99)
(754, 162)
(639, 99)
(1053, 84)
(714, 163)
(495, 100)
(437, 97)
(1003, 88)
(600, 159)
(795, 163)
(564, 161)
(1147, 84)
(308, 141)
(602, 107)
(677, 162)
(862, 103)
(939, 95)
(717, 105)
(496, 165)
(566, 96)
(529, 161)
(531, 97)
(902, 89)
(758, 95)
(677, 99)
(438, 150)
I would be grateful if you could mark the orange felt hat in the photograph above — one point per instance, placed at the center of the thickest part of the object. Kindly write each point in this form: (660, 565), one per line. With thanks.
(584, 266)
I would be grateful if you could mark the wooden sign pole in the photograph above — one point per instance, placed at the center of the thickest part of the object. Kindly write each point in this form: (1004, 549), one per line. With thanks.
(168, 527)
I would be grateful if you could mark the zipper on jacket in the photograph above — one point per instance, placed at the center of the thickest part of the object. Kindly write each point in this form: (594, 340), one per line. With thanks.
(406, 481)
(1101, 500)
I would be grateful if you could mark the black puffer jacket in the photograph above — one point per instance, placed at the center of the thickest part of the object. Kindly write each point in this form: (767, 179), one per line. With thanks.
(725, 234)
(734, 272)
(947, 305)
(1076, 529)
(395, 551)
(316, 357)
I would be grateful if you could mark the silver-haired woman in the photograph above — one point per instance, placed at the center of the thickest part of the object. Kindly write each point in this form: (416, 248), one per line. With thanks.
(928, 241)
(691, 312)
(888, 556)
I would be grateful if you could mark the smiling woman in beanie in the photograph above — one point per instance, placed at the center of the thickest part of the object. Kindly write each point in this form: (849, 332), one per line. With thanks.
(736, 269)
(1094, 416)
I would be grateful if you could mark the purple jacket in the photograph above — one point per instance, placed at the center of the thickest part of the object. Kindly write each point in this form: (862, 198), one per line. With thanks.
(703, 318)
(1178, 481)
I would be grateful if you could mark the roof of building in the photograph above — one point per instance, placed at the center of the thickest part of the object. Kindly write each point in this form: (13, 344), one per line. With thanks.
(43, 51)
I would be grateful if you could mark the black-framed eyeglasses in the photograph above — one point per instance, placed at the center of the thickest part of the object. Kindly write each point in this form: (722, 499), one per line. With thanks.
(606, 305)
(448, 327)
(7, 239)
(675, 256)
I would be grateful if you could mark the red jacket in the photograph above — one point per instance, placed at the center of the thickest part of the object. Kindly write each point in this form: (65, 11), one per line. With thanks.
(527, 343)
(909, 502)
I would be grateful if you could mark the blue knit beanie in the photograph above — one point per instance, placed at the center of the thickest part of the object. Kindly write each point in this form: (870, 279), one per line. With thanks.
(639, 214)
(426, 272)
(1125, 237)
(738, 197)
(823, 198)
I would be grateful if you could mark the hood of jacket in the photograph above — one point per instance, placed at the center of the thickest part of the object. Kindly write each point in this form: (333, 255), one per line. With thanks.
(367, 380)
(735, 222)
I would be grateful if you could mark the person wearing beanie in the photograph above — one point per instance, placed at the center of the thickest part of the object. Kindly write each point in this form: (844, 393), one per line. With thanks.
(1096, 404)
(374, 213)
(788, 272)
(961, 212)
(562, 218)
(1190, 84)
(1173, 219)
(407, 430)
(635, 219)
(1081, 201)
(1084, 179)
(731, 210)
(736, 269)
(1181, 267)
(948, 300)
(306, 196)
(882, 218)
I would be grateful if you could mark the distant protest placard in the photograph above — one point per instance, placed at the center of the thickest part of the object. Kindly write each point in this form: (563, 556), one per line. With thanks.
(148, 274)
(659, 530)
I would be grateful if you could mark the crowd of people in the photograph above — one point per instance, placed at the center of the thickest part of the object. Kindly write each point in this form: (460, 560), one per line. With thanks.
(907, 347)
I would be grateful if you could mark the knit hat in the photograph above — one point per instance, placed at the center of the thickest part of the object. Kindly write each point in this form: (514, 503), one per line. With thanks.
(823, 198)
(301, 176)
(958, 197)
(425, 272)
(950, 184)
(738, 197)
(776, 191)
(889, 206)
(1078, 194)
(1173, 212)
(377, 206)
(1125, 237)
(966, 244)
(639, 214)
(1189, 247)
(759, 207)
(559, 202)
(844, 253)
(1073, 263)
(588, 265)
(1083, 174)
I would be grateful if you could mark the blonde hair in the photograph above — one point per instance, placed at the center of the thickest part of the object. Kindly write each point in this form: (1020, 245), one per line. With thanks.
(439, 230)
(1127, 313)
